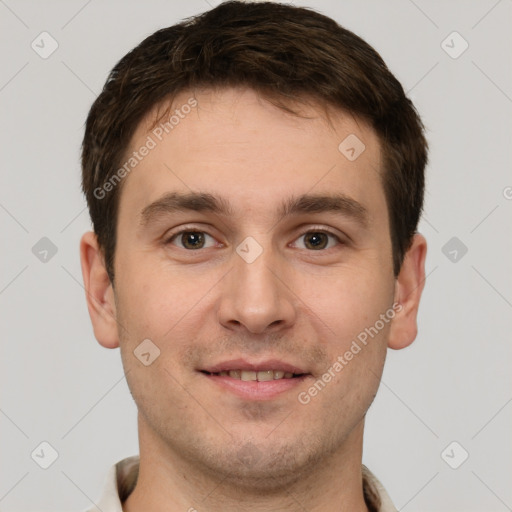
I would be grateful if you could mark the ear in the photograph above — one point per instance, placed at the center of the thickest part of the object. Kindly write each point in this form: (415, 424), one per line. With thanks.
(408, 288)
(99, 292)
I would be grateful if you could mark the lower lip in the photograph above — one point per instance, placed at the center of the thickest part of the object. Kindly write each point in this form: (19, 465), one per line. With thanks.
(255, 390)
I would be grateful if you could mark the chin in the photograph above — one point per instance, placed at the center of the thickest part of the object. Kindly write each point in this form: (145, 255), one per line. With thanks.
(258, 468)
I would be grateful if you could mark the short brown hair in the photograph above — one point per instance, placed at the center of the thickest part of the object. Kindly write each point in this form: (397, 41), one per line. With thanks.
(286, 54)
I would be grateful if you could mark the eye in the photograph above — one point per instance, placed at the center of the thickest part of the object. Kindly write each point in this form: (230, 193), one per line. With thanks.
(318, 239)
(190, 239)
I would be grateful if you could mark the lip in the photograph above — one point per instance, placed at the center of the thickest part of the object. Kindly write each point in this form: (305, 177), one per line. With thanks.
(255, 390)
(242, 364)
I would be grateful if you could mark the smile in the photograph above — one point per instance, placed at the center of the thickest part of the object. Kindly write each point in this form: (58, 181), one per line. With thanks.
(260, 376)
(251, 380)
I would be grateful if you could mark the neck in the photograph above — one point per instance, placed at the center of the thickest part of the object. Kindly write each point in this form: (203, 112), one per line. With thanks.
(167, 481)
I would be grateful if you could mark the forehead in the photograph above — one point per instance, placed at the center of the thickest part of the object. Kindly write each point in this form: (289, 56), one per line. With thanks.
(234, 143)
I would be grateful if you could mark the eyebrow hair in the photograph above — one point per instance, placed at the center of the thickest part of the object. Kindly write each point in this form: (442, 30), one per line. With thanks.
(295, 205)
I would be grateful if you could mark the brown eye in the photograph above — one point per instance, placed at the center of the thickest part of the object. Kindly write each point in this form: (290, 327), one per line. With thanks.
(318, 240)
(190, 240)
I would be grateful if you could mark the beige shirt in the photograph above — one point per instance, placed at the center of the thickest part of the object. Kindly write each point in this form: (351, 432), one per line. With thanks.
(122, 477)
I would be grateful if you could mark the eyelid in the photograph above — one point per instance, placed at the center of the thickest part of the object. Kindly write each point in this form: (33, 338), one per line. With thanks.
(342, 239)
(169, 236)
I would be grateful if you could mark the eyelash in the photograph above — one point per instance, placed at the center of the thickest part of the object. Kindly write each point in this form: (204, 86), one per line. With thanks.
(172, 236)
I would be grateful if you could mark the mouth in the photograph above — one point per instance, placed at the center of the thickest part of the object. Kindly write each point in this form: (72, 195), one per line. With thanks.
(255, 381)
(259, 376)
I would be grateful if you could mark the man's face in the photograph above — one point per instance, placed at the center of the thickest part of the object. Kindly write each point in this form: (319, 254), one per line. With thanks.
(253, 290)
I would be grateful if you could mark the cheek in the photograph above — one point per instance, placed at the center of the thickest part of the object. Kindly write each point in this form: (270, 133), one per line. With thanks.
(151, 301)
(355, 337)
(356, 353)
(348, 302)
(169, 312)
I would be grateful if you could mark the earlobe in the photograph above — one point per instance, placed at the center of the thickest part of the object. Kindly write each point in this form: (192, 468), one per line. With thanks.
(98, 291)
(409, 287)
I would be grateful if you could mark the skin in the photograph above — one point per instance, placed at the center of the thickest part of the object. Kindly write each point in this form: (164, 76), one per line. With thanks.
(295, 302)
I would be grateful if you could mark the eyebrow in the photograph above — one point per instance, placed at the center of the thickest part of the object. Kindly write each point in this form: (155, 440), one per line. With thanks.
(204, 202)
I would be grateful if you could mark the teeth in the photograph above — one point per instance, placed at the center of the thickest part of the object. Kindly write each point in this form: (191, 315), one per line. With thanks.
(248, 375)
(265, 375)
(261, 376)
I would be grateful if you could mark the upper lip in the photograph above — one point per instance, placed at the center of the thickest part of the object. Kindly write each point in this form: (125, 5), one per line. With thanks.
(242, 364)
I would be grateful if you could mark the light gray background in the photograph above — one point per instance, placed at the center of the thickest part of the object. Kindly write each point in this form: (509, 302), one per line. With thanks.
(453, 384)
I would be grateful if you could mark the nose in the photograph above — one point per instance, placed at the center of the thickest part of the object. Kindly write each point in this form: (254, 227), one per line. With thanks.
(257, 295)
